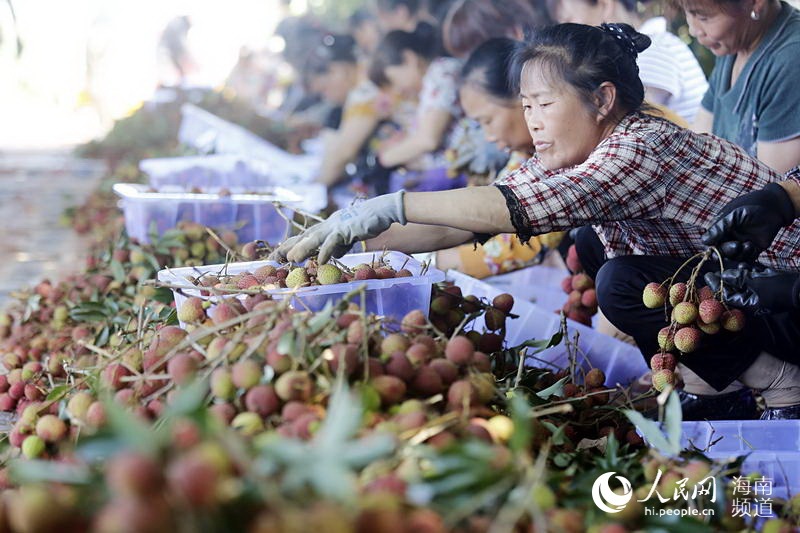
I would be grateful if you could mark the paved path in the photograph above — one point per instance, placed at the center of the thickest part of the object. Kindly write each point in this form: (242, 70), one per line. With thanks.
(35, 188)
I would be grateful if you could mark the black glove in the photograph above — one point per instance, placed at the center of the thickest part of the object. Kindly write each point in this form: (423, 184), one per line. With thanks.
(757, 289)
(747, 225)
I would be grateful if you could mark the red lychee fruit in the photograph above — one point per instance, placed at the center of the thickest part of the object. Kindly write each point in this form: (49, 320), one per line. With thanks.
(710, 310)
(705, 293)
(595, 378)
(661, 361)
(573, 262)
(495, 319)
(194, 480)
(677, 293)
(246, 374)
(50, 428)
(181, 368)
(666, 339)
(459, 350)
(566, 284)
(732, 320)
(399, 366)
(391, 389)
(685, 313)
(504, 302)
(427, 382)
(414, 322)
(247, 281)
(133, 474)
(263, 400)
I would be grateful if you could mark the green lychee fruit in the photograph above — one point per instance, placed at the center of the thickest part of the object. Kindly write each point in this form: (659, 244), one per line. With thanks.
(709, 329)
(294, 385)
(687, 339)
(677, 293)
(662, 379)
(394, 342)
(297, 278)
(246, 374)
(654, 295)
(33, 446)
(329, 275)
(222, 385)
(666, 339)
(685, 313)
(582, 282)
(391, 389)
(732, 320)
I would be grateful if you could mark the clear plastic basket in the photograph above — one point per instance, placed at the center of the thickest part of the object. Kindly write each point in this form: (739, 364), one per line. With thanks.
(621, 362)
(251, 216)
(228, 171)
(391, 299)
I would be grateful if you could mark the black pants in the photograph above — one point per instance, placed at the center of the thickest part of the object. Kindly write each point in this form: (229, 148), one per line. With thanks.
(722, 357)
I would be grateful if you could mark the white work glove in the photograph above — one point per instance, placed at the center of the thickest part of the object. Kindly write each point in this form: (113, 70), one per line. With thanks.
(336, 235)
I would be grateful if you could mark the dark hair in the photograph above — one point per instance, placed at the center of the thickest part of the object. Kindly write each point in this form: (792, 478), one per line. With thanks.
(586, 56)
(423, 42)
(334, 48)
(359, 17)
(629, 5)
(472, 22)
(390, 5)
(489, 68)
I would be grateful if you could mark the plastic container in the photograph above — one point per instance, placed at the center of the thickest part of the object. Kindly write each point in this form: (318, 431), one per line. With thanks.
(435, 179)
(212, 134)
(251, 216)
(209, 172)
(538, 284)
(389, 298)
(621, 362)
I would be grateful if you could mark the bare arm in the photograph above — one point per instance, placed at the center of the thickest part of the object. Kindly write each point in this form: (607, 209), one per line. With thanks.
(474, 209)
(782, 156)
(343, 147)
(703, 121)
(417, 238)
(793, 188)
(425, 139)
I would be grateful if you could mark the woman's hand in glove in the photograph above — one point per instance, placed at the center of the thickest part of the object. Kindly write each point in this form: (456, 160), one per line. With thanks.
(757, 289)
(336, 235)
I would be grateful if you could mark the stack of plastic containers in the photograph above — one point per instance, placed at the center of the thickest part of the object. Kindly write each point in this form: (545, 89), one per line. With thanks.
(389, 298)
(621, 362)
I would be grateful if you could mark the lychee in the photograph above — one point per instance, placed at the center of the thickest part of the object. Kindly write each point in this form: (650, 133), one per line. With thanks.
(687, 339)
(573, 262)
(732, 320)
(504, 302)
(566, 284)
(662, 379)
(459, 350)
(582, 282)
(391, 389)
(414, 322)
(297, 278)
(495, 319)
(133, 474)
(329, 275)
(685, 313)
(709, 329)
(710, 310)
(461, 393)
(446, 370)
(364, 272)
(263, 400)
(666, 339)
(705, 293)
(221, 384)
(677, 293)
(51, 428)
(181, 368)
(394, 342)
(247, 281)
(654, 295)
(294, 385)
(595, 378)
(398, 365)
(663, 360)
(427, 382)
(246, 374)
(33, 446)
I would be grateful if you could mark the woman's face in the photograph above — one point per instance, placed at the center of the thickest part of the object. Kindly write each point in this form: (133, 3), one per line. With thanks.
(503, 125)
(405, 79)
(724, 32)
(563, 128)
(367, 36)
(579, 12)
(335, 84)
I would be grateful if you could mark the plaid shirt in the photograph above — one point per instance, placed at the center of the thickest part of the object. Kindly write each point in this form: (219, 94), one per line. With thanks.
(649, 188)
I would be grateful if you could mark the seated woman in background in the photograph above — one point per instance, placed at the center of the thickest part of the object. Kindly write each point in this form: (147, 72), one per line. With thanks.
(671, 75)
(333, 71)
(753, 95)
(410, 66)
(488, 97)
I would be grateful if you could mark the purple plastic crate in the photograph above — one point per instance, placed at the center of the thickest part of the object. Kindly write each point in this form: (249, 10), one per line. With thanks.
(210, 172)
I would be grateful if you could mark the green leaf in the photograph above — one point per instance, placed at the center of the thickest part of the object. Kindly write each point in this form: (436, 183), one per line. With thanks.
(652, 432)
(543, 344)
(56, 392)
(102, 338)
(342, 422)
(130, 429)
(32, 471)
(286, 343)
(556, 389)
(163, 295)
(673, 416)
(519, 410)
(189, 400)
(117, 270)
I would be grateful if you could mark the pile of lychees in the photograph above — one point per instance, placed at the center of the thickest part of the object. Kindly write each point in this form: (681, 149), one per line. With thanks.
(694, 313)
(272, 276)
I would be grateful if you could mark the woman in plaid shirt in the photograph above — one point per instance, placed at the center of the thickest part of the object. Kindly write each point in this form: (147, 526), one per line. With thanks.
(649, 188)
